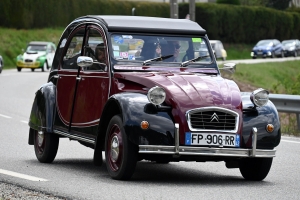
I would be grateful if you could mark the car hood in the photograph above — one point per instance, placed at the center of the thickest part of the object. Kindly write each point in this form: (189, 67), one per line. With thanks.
(186, 90)
(33, 55)
(262, 47)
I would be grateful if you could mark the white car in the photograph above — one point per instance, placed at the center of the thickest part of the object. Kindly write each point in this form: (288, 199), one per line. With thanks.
(219, 50)
(38, 54)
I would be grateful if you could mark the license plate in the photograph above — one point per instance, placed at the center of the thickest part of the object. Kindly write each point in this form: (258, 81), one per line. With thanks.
(259, 53)
(210, 139)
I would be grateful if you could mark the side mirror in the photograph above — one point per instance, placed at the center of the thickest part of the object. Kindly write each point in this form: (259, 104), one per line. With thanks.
(84, 61)
(228, 70)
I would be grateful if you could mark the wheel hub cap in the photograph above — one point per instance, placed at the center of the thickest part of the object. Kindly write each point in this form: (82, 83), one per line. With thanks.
(40, 138)
(114, 148)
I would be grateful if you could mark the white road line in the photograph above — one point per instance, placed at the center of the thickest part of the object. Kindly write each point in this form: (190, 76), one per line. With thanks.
(290, 141)
(5, 116)
(23, 176)
(26, 122)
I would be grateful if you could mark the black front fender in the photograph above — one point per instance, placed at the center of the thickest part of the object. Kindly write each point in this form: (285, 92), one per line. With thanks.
(260, 117)
(135, 108)
(43, 108)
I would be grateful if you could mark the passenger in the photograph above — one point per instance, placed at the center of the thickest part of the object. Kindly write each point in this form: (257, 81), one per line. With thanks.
(172, 48)
(100, 58)
(100, 53)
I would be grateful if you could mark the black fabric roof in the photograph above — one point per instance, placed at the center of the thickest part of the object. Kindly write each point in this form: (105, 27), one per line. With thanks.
(148, 24)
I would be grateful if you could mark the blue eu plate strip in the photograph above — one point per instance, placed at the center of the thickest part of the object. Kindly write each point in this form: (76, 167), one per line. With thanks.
(237, 141)
(188, 138)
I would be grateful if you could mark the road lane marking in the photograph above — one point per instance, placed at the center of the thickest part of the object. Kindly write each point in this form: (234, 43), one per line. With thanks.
(290, 141)
(23, 176)
(5, 116)
(26, 122)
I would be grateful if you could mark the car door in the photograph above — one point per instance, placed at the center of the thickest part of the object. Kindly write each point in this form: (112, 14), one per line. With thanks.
(92, 88)
(66, 79)
(278, 47)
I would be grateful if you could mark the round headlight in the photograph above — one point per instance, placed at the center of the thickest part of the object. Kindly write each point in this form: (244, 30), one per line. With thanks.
(156, 95)
(260, 97)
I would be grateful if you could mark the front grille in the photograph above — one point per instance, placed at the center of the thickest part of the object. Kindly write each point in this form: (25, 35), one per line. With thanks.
(28, 60)
(213, 119)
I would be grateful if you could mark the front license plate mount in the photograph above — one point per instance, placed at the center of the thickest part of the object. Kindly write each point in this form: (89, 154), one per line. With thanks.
(212, 139)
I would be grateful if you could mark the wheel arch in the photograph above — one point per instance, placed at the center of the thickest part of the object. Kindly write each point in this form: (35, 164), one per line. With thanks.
(112, 108)
(259, 117)
(43, 108)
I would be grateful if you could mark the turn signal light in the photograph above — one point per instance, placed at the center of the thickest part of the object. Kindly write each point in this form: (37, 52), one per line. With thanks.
(144, 125)
(270, 128)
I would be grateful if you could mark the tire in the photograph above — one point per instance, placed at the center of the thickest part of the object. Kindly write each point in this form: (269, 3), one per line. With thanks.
(254, 57)
(255, 169)
(32, 69)
(162, 160)
(45, 66)
(19, 69)
(273, 55)
(120, 154)
(45, 146)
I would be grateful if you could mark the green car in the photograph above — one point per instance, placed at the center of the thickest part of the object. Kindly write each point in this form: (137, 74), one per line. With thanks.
(38, 54)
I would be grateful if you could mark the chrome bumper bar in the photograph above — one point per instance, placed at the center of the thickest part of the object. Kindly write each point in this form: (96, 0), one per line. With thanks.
(207, 151)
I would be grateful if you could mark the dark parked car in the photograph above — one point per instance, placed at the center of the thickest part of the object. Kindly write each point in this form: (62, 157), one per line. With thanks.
(291, 47)
(153, 97)
(268, 48)
(1, 64)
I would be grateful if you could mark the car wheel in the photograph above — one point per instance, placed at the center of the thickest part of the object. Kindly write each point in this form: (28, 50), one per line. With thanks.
(32, 69)
(255, 169)
(163, 160)
(45, 67)
(273, 55)
(120, 153)
(253, 57)
(45, 146)
(19, 69)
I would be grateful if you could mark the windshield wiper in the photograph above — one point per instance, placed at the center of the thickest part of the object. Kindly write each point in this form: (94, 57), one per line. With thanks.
(157, 59)
(186, 63)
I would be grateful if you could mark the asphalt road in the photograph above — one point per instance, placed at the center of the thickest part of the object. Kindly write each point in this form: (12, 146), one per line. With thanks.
(73, 176)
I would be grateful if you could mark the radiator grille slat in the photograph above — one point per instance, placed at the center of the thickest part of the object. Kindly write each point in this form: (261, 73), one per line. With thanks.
(213, 120)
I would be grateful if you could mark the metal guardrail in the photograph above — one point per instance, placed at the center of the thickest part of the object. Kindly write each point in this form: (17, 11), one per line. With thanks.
(287, 104)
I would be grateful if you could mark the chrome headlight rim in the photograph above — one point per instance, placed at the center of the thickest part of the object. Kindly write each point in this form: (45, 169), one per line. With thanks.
(156, 101)
(256, 98)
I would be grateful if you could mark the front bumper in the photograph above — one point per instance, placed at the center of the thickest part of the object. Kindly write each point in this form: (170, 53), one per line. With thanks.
(207, 151)
(28, 64)
(261, 54)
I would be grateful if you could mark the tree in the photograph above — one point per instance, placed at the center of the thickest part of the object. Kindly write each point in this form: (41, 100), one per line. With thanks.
(278, 4)
(234, 2)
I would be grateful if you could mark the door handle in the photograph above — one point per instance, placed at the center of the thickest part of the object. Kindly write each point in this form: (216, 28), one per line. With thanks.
(78, 78)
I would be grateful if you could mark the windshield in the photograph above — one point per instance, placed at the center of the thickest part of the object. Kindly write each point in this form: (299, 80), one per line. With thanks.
(36, 48)
(153, 49)
(265, 43)
(288, 44)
